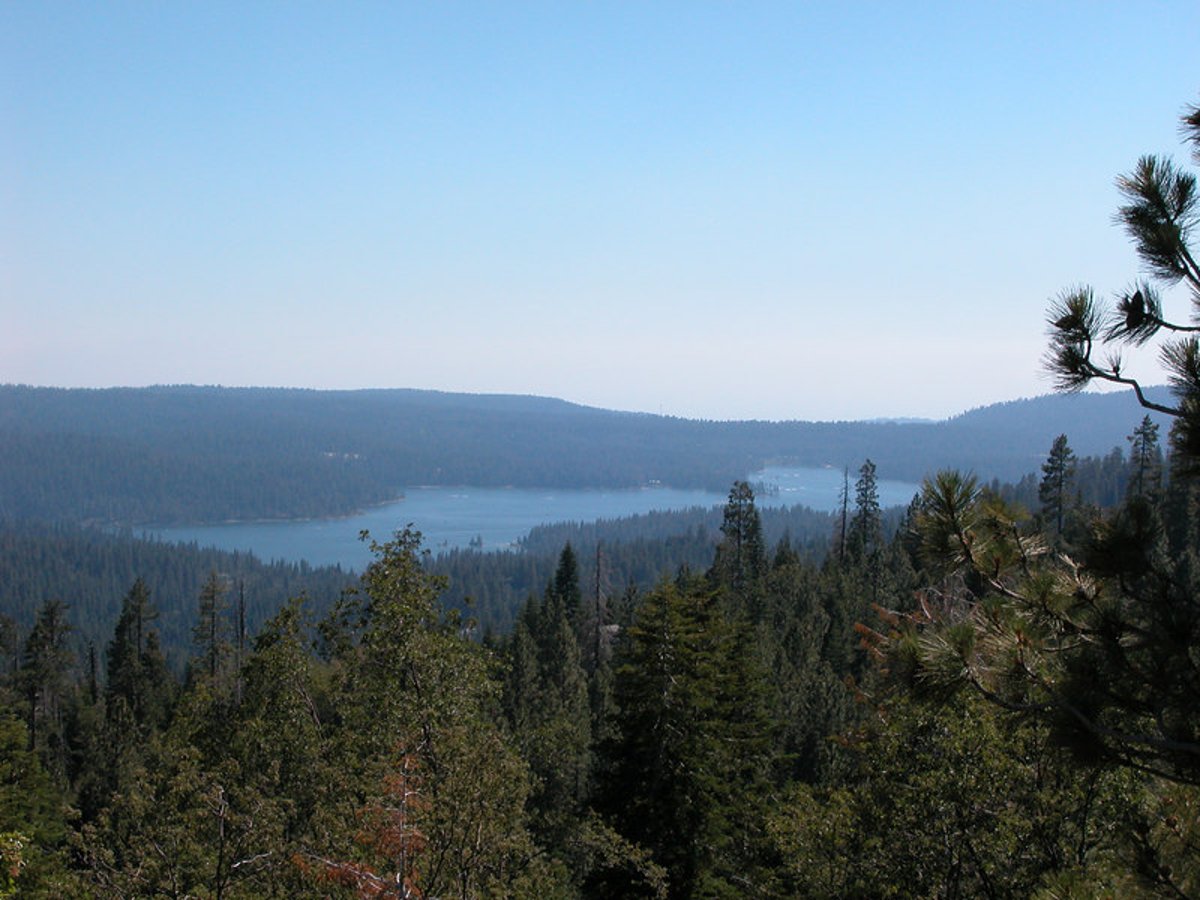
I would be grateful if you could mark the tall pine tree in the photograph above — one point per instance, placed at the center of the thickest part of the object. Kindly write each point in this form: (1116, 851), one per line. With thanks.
(1054, 492)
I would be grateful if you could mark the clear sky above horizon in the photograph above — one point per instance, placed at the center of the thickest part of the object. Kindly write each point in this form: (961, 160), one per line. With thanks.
(716, 210)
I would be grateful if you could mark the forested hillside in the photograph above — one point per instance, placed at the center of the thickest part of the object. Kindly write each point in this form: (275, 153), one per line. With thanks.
(89, 568)
(191, 454)
(88, 571)
(774, 700)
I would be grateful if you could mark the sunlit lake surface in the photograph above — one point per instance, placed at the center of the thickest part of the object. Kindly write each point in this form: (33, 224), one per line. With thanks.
(496, 518)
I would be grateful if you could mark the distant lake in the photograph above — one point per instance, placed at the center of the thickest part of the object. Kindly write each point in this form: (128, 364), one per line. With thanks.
(496, 518)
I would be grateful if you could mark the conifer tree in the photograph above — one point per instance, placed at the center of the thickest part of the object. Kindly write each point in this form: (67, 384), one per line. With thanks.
(866, 527)
(549, 708)
(521, 675)
(686, 767)
(740, 562)
(596, 649)
(1100, 647)
(844, 519)
(10, 650)
(1055, 490)
(810, 701)
(594, 618)
(211, 632)
(137, 671)
(565, 589)
(1145, 461)
(44, 676)
(1160, 212)
(864, 575)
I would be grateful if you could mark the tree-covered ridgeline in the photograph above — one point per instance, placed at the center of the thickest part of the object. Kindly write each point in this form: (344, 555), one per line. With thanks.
(180, 454)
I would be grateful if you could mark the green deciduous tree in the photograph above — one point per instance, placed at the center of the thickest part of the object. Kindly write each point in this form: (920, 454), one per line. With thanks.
(434, 795)
(32, 829)
(183, 826)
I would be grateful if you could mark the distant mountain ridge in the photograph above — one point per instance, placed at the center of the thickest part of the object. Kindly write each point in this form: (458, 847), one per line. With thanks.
(1093, 422)
(185, 453)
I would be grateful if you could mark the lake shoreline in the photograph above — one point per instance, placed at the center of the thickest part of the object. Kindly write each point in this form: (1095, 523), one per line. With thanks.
(360, 510)
(494, 518)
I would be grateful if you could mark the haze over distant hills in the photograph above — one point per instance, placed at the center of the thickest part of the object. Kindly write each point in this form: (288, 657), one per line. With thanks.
(190, 454)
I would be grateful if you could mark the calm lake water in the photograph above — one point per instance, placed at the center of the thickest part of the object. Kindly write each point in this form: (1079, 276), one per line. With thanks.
(451, 517)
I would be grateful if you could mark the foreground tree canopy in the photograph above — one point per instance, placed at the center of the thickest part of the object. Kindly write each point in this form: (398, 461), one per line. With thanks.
(1101, 638)
(1095, 635)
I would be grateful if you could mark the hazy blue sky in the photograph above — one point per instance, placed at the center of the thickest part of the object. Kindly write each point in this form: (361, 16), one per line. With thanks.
(723, 210)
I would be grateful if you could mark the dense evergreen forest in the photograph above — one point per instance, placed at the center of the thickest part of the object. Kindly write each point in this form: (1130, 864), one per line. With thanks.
(615, 556)
(172, 455)
(754, 723)
(88, 570)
